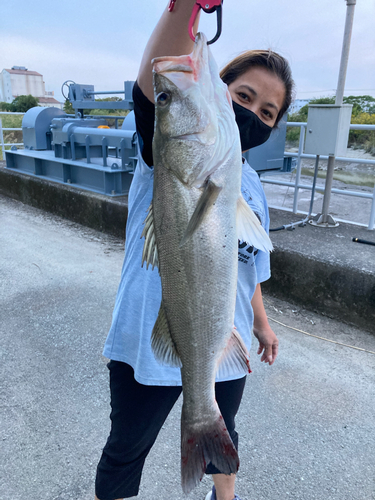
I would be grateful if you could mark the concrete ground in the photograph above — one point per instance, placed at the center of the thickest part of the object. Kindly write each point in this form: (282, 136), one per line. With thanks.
(306, 424)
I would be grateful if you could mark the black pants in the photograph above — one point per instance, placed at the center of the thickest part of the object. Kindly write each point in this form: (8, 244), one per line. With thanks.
(138, 413)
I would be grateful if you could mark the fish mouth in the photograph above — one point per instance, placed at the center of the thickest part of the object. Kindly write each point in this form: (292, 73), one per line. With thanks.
(206, 136)
(195, 136)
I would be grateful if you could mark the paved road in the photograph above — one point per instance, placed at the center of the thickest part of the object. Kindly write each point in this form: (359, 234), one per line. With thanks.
(307, 423)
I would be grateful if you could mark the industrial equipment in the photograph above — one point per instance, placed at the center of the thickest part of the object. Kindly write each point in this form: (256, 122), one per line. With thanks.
(84, 152)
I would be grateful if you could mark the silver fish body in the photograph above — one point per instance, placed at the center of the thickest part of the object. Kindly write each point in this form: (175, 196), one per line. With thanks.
(192, 232)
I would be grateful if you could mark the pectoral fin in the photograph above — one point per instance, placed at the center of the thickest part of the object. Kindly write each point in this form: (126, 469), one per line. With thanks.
(162, 343)
(235, 357)
(150, 250)
(249, 228)
(205, 202)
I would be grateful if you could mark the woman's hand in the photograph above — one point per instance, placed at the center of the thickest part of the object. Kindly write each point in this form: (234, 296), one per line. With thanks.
(268, 344)
(169, 38)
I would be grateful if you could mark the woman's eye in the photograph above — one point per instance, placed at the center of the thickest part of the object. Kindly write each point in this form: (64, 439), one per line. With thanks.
(267, 113)
(163, 98)
(243, 96)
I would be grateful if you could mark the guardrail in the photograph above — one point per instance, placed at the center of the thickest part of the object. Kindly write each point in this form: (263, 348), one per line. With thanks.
(2, 143)
(297, 183)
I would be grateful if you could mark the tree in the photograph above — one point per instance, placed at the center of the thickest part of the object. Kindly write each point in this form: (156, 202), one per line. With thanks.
(5, 106)
(68, 108)
(23, 103)
(361, 103)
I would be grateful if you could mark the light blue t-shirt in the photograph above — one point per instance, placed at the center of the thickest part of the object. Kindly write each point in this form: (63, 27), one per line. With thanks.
(139, 294)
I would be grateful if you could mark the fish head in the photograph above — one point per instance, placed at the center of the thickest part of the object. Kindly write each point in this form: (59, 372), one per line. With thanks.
(189, 104)
(181, 114)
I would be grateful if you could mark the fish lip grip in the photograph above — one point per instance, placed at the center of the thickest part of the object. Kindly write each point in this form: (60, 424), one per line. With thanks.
(207, 6)
(171, 5)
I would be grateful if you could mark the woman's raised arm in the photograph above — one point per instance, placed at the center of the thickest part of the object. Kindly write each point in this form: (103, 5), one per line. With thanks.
(169, 38)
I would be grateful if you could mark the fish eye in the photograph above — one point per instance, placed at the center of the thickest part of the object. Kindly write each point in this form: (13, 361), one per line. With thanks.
(163, 98)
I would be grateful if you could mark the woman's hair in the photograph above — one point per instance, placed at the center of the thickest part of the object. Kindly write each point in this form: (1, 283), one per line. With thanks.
(268, 59)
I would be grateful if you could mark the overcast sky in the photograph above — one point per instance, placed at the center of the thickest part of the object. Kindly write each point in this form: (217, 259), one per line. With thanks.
(101, 43)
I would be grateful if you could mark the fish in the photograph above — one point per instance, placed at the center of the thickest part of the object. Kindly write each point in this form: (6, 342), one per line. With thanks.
(191, 232)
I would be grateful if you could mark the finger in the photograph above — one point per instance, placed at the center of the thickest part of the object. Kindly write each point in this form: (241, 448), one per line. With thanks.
(275, 351)
(260, 348)
(264, 356)
(268, 355)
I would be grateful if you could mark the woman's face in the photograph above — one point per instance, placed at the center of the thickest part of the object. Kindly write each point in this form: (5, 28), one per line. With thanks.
(261, 92)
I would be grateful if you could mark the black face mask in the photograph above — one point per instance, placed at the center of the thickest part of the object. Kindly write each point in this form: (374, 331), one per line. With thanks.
(253, 132)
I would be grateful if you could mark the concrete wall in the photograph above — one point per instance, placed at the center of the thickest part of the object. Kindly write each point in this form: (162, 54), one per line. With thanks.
(336, 290)
(90, 209)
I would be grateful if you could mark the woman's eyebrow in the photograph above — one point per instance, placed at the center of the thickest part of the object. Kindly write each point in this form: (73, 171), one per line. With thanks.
(272, 105)
(250, 89)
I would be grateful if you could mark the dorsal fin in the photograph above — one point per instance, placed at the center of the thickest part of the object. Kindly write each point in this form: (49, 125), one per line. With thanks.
(150, 250)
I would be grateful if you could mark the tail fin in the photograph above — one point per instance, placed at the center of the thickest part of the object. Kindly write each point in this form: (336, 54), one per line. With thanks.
(210, 442)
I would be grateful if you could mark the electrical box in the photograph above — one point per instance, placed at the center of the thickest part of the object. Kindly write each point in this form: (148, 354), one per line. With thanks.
(328, 129)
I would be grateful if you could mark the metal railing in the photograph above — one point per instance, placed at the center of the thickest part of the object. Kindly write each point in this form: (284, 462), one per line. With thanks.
(297, 182)
(2, 143)
(297, 185)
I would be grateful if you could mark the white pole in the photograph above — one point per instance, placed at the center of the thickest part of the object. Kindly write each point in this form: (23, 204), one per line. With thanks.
(324, 219)
(2, 139)
(345, 50)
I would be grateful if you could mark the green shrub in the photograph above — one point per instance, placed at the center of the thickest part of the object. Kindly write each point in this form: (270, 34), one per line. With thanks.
(292, 136)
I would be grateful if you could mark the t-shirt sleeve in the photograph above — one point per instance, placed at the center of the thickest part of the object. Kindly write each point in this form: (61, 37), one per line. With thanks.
(144, 111)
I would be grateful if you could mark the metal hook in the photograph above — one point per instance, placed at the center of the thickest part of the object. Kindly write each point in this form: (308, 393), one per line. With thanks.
(207, 6)
(171, 5)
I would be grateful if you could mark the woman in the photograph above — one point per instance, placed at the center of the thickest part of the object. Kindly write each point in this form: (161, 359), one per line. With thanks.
(142, 391)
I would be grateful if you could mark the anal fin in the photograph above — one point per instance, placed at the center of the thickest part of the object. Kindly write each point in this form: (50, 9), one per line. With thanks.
(235, 358)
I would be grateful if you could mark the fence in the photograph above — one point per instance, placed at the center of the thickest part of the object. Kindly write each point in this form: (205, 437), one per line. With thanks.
(2, 143)
(297, 182)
